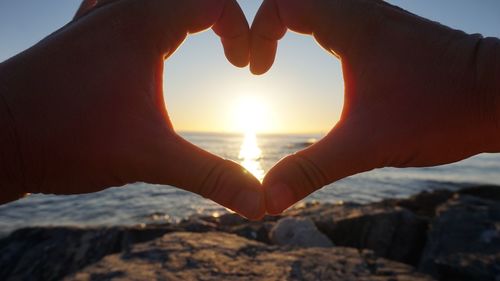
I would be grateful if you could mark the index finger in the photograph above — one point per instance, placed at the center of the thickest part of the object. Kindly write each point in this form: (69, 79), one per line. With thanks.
(169, 22)
(333, 23)
(234, 30)
(224, 16)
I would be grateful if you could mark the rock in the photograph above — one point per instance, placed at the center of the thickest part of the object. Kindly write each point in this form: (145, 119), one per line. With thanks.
(300, 232)
(322, 212)
(197, 225)
(462, 267)
(392, 233)
(464, 241)
(253, 231)
(231, 220)
(51, 253)
(488, 192)
(423, 204)
(222, 256)
(230, 223)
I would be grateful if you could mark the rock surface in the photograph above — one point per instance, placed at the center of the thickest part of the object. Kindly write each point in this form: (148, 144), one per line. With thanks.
(423, 204)
(393, 233)
(222, 256)
(488, 192)
(464, 241)
(52, 253)
(390, 231)
(301, 232)
(451, 235)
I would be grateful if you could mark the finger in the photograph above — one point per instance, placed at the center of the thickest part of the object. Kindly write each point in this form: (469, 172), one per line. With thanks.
(234, 31)
(344, 152)
(224, 16)
(176, 162)
(267, 29)
(169, 22)
(334, 24)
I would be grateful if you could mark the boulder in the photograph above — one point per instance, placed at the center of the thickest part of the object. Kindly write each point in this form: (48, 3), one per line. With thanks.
(488, 192)
(321, 213)
(391, 232)
(423, 204)
(300, 232)
(196, 224)
(462, 267)
(222, 256)
(231, 220)
(235, 224)
(252, 230)
(53, 252)
(464, 241)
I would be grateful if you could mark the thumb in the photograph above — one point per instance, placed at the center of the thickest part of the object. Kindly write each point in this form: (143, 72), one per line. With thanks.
(345, 151)
(178, 163)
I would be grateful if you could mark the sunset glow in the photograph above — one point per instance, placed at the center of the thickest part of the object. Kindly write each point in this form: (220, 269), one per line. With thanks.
(250, 115)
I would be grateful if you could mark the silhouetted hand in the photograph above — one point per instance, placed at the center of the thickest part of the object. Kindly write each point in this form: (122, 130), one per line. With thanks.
(416, 93)
(88, 108)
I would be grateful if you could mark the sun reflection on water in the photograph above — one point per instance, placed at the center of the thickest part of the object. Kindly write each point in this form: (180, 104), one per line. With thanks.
(250, 155)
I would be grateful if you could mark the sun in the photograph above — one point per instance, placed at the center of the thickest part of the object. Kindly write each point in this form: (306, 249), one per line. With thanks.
(250, 115)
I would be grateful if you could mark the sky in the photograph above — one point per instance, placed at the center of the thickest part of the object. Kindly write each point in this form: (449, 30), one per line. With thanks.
(303, 93)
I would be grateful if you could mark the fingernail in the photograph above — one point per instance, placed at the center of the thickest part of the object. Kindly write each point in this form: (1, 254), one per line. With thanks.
(279, 197)
(249, 204)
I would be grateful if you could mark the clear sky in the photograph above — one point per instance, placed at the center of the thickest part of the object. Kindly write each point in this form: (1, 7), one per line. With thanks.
(302, 93)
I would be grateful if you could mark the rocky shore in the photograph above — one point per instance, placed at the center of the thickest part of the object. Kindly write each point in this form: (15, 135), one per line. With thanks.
(441, 235)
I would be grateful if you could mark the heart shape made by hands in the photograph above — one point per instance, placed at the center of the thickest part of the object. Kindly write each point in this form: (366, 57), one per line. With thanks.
(116, 129)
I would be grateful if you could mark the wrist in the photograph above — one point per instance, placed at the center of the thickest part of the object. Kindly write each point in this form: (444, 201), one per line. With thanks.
(12, 185)
(488, 88)
(23, 148)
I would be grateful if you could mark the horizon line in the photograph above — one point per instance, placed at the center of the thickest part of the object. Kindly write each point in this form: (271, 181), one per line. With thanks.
(242, 133)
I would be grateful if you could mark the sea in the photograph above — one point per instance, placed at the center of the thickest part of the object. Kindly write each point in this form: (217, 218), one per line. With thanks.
(154, 204)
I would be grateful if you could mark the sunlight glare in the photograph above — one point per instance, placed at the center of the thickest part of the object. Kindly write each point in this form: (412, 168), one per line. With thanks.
(250, 117)
(250, 155)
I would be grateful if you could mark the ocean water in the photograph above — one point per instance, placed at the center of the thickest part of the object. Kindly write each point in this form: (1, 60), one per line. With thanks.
(142, 203)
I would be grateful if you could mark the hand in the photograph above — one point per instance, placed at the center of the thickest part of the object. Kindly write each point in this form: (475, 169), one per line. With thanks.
(413, 92)
(89, 110)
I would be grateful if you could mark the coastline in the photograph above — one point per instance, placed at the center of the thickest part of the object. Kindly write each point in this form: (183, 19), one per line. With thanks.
(440, 235)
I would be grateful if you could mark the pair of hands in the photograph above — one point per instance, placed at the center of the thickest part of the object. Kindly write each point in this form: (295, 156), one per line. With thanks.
(90, 113)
